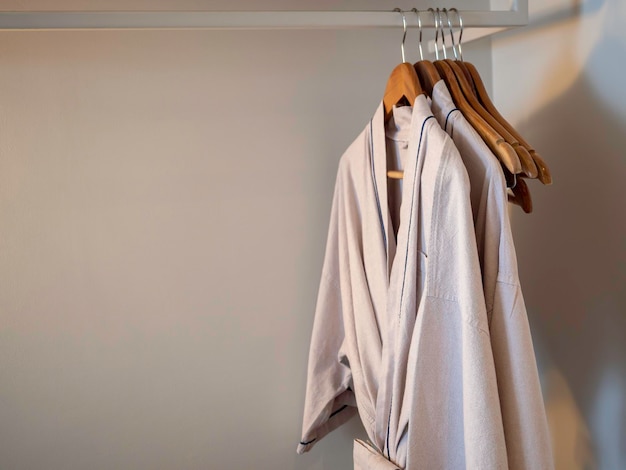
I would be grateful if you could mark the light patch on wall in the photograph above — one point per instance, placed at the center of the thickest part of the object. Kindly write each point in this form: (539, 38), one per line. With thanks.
(571, 441)
(549, 56)
(608, 410)
(604, 68)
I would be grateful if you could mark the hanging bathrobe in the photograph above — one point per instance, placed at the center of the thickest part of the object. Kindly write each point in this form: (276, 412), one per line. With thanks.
(400, 329)
(523, 412)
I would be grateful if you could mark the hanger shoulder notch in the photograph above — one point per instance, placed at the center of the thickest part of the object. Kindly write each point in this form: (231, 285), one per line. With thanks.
(403, 84)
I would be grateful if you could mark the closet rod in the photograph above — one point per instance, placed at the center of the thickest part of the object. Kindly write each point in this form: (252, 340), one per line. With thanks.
(83, 20)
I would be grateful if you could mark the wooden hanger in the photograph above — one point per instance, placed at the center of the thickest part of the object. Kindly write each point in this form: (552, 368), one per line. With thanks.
(500, 148)
(544, 174)
(403, 87)
(468, 77)
(426, 70)
(538, 169)
(521, 196)
(429, 76)
(527, 163)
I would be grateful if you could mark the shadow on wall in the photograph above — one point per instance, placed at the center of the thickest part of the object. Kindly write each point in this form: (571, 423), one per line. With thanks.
(572, 257)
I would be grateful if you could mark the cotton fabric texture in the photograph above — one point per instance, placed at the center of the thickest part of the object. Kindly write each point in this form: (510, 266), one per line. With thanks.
(523, 411)
(401, 334)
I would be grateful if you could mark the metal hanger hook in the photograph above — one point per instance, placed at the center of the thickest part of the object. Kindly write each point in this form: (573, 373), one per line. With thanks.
(443, 33)
(458, 15)
(404, 35)
(419, 25)
(456, 56)
(432, 10)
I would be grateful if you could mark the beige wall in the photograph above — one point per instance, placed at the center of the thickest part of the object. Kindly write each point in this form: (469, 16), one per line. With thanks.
(164, 200)
(561, 80)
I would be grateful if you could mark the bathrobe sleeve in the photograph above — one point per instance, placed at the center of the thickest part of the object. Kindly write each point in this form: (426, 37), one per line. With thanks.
(525, 425)
(329, 399)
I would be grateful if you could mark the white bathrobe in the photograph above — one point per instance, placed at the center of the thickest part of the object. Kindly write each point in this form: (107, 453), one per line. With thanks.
(523, 412)
(401, 329)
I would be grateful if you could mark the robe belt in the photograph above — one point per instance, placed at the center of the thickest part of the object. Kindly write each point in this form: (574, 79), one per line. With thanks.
(367, 457)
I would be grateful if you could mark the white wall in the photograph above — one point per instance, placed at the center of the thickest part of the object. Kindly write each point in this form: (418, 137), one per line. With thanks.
(164, 201)
(561, 81)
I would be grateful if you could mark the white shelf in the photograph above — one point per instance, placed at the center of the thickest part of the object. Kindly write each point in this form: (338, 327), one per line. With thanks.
(45, 21)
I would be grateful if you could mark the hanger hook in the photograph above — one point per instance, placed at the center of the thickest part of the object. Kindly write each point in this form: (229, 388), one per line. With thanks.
(432, 10)
(443, 34)
(458, 15)
(404, 29)
(419, 25)
(456, 56)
